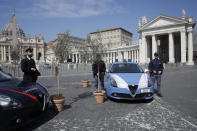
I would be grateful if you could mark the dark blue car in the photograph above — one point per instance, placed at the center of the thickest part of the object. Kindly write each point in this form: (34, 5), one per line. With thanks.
(18, 104)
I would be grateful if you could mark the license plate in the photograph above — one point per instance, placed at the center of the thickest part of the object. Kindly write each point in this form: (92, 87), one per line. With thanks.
(145, 90)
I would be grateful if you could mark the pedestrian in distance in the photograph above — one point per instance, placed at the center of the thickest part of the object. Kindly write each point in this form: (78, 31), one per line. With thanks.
(98, 69)
(28, 66)
(156, 70)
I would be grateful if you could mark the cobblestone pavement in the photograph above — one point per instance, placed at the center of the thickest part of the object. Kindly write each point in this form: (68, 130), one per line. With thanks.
(81, 113)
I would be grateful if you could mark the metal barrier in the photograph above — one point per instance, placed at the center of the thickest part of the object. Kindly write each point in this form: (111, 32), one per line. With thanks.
(15, 70)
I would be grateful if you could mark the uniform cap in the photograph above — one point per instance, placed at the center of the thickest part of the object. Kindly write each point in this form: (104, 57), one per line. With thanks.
(29, 50)
(156, 54)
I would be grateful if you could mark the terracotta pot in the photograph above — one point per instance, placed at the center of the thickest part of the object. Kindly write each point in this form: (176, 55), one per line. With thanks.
(58, 102)
(99, 96)
(85, 83)
(104, 92)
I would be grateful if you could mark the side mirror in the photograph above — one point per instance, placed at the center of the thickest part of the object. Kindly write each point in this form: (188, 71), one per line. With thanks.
(107, 71)
(146, 70)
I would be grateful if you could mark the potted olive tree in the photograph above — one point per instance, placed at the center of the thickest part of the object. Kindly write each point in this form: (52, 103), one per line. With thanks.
(85, 52)
(61, 50)
(97, 48)
(15, 56)
(99, 94)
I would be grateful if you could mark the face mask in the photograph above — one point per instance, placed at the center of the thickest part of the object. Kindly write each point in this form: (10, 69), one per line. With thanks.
(30, 56)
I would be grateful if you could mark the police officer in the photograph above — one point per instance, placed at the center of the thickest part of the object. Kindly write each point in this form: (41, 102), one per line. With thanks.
(98, 68)
(28, 66)
(156, 70)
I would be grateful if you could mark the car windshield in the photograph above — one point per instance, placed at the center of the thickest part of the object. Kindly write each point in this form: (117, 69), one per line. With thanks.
(4, 77)
(126, 68)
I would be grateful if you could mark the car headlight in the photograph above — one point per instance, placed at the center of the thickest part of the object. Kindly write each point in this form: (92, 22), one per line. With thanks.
(6, 101)
(113, 83)
(145, 84)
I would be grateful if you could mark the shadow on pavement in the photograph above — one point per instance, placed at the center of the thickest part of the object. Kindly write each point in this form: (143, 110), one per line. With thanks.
(41, 119)
(80, 96)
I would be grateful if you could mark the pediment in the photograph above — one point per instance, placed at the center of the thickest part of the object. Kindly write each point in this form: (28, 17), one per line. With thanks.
(162, 21)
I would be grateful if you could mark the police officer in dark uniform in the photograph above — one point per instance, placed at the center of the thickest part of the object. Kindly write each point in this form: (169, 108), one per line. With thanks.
(28, 66)
(99, 68)
(156, 70)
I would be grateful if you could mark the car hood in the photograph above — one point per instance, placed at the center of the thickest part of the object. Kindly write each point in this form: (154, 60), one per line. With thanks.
(13, 85)
(10, 84)
(125, 79)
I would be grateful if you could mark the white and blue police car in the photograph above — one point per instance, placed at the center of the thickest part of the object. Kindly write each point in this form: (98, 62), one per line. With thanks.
(127, 80)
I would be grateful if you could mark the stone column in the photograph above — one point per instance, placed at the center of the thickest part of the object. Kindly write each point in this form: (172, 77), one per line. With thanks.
(183, 47)
(143, 50)
(1, 53)
(137, 56)
(119, 56)
(9, 53)
(134, 55)
(129, 55)
(140, 50)
(114, 56)
(190, 48)
(76, 57)
(80, 58)
(154, 45)
(109, 56)
(87, 57)
(4, 55)
(122, 55)
(110, 59)
(171, 48)
(126, 55)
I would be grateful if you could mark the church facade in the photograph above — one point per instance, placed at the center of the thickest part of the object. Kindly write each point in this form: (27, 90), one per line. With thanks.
(171, 37)
(13, 34)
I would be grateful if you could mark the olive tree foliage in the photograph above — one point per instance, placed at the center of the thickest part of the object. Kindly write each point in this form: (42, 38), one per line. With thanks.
(96, 47)
(84, 50)
(63, 47)
(15, 55)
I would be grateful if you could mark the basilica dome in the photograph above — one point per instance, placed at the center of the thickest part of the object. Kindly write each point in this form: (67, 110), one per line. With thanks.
(8, 29)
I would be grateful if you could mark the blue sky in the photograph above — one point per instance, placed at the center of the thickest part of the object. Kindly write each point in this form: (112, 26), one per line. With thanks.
(50, 17)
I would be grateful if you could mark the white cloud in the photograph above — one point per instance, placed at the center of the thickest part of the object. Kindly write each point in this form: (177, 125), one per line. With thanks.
(75, 8)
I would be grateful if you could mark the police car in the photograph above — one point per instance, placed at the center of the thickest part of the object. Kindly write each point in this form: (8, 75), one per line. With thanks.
(127, 80)
(20, 104)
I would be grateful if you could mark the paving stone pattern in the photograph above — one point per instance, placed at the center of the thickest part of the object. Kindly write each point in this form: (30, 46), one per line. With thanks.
(83, 114)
